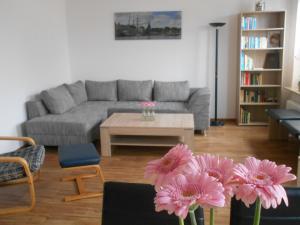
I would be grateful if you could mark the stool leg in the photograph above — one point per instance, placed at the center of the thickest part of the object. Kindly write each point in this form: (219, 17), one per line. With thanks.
(100, 173)
(82, 193)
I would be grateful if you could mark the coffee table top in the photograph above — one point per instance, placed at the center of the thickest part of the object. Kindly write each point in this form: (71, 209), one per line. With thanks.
(162, 120)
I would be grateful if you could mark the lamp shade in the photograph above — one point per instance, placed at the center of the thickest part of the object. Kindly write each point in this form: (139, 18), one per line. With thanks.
(217, 24)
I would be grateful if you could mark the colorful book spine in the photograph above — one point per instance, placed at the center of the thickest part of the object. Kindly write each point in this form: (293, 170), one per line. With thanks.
(245, 116)
(242, 61)
(248, 23)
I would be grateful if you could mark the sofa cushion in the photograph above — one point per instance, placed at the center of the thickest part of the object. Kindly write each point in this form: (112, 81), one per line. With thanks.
(35, 109)
(134, 90)
(78, 92)
(58, 100)
(82, 120)
(171, 91)
(101, 91)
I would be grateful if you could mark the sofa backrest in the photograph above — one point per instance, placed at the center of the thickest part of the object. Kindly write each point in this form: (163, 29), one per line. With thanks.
(120, 90)
(36, 108)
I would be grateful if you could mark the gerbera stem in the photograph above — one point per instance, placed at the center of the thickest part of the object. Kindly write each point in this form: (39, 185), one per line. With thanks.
(192, 217)
(257, 212)
(181, 221)
(211, 216)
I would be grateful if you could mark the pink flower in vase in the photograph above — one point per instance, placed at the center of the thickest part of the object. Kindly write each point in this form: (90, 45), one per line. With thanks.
(184, 191)
(262, 179)
(170, 165)
(219, 168)
(148, 104)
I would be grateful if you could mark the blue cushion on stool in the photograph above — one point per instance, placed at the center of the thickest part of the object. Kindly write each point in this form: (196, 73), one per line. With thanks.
(78, 155)
(284, 114)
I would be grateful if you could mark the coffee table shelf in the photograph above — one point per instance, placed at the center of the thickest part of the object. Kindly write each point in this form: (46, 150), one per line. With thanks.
(144, 141)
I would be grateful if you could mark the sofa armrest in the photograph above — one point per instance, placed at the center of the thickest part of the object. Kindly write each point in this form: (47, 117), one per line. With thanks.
(198, 103)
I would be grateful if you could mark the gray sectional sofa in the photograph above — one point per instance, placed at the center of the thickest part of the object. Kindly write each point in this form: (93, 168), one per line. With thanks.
(72, 113)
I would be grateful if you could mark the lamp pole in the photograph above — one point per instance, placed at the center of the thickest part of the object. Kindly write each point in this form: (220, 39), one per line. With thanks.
(216, 122)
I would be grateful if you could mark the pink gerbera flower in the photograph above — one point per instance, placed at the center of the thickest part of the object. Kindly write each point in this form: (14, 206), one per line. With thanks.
(186, 191)
(170, 165)
(262, 179)
(148, 104)
(219, 168)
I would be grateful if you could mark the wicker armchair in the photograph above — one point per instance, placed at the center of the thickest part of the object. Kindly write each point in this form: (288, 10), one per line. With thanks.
(21, 166)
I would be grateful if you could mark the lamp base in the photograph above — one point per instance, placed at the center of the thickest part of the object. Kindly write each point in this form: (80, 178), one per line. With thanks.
(216, 123)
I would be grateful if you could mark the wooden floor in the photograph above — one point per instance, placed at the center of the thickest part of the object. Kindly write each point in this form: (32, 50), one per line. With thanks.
(128, 165)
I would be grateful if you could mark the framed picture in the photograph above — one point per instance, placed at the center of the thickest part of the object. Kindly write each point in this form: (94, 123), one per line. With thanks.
(148, 25)
(274, 39)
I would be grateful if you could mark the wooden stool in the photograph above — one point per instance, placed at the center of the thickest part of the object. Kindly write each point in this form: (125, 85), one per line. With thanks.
(80, 157)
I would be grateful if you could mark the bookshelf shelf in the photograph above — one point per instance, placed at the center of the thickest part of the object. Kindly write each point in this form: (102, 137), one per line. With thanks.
(264, 29)
(261, 86)
(259, 103)
(262, 49)
(260, 71)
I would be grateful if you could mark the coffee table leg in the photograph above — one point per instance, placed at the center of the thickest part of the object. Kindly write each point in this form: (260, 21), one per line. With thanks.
(188, 138)
(105, 142)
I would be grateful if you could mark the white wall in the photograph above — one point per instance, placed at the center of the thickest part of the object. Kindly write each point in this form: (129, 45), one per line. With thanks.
(296, 71)
(33, 56)
(94, 54)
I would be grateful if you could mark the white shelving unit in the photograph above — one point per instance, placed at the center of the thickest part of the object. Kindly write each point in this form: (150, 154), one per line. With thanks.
(261, 54)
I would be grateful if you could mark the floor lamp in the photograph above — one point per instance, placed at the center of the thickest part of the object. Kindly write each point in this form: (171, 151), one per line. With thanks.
(216, 122)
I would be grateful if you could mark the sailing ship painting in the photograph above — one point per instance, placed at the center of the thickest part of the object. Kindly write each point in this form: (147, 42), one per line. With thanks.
(148, 25)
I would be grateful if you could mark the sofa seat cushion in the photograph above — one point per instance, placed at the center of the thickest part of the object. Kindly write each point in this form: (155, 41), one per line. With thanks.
(34, 155)
(79, 121)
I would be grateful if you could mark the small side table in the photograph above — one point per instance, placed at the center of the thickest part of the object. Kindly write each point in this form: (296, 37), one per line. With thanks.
(80, 157)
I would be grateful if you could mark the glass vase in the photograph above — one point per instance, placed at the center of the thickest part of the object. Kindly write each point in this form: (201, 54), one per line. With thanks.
(148, 113)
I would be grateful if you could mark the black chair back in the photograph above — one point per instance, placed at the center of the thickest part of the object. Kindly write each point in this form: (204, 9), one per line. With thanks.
(282, 215)
(133, 204)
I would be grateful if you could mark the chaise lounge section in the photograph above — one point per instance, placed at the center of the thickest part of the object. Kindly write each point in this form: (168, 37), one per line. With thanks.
(71, 114)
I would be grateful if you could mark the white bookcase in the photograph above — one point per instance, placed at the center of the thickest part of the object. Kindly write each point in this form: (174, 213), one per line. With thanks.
(261, 55)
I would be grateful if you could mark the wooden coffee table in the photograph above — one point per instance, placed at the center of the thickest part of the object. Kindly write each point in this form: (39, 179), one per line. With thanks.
(128, 129)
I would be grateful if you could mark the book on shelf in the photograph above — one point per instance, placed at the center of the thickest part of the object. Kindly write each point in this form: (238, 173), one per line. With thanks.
(257, 96)
(245, 116)
(248, 78)
(271, 39)
(254, 41)
(252, 96)
(246, 62)
(248, 23)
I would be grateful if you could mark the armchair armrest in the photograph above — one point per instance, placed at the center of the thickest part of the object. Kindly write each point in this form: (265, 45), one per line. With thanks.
(23, 139)
(199, 103)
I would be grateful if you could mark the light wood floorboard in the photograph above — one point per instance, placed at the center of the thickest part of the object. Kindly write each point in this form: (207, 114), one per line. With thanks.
(127, 164)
